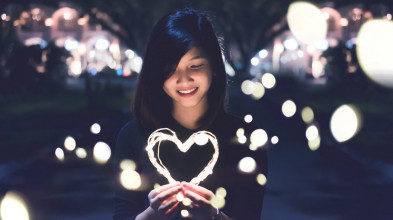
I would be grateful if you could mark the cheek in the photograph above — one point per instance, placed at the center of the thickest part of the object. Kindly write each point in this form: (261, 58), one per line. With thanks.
(209, 79)
(166, 87)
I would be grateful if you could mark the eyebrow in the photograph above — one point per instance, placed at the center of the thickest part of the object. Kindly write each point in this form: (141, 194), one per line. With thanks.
(198, 57)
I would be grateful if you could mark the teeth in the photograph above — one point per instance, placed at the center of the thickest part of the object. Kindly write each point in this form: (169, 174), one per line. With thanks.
(187, 91)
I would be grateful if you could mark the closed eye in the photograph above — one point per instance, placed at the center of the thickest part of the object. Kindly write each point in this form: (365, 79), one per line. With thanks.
(197, 66)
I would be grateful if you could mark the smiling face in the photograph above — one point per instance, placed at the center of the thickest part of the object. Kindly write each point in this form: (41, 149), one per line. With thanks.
(189, 84)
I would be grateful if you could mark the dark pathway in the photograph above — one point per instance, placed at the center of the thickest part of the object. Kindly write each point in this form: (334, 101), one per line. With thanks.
(338, 181)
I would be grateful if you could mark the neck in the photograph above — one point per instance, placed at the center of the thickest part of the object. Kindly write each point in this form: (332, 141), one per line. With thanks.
(189, 117)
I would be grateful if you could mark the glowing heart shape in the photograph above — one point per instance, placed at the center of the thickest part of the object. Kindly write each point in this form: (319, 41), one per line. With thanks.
(200, 138)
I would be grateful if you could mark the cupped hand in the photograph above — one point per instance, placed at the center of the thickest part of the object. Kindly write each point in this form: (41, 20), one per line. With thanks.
(200, 197)
(163, 200)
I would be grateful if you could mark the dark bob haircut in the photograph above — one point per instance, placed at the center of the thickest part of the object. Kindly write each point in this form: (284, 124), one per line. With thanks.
(172, 37)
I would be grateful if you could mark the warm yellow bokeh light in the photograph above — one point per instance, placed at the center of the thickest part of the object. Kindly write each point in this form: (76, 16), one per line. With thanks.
(81, 153)
(253, 147)
(59, 154)
(184, 213)
(128, 164)
(69, 143)
(258, 138)
(186, 201)
(221, 192)
(247, 87)
(180, 196)
(242, 139)
(130, 179)
(345, 122)
(312, 132)
(307, 22)
(261, 179)
(248, 118)
(247, 165)
(268, 80)
(288, 108)
(240, 132)
(95, 128)
(317, 68)
(217, 202)
(315, 143)
(13, 207)
(374, 51)
(48, 22)
(307, 115)
(259, 91)
(101, 152)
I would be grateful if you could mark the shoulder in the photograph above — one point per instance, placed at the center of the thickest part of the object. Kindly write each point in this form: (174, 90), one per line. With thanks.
(130, 132)
(131, 128)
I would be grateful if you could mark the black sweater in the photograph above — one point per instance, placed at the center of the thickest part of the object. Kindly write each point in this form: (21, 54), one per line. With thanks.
(244, 195)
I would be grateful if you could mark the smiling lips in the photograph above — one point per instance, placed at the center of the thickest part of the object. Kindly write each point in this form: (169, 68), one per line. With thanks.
(188, 92)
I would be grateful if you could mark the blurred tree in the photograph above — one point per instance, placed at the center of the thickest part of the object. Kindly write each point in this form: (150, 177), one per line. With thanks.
(55, 68)
(246, 25)
(22, 66)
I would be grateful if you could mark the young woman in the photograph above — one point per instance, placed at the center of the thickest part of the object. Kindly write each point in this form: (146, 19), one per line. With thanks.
(182, 86)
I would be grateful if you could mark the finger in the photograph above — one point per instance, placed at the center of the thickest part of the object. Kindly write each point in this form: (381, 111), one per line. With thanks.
(196, 198)
(173, 209)
(207, 194)
(164, 195)
(167, 206)
(165, 187)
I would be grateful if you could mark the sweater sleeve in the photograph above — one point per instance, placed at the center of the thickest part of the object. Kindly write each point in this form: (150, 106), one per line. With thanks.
(127, 203)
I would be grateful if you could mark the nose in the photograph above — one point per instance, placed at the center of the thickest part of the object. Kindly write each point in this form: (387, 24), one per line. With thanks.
(183, 77)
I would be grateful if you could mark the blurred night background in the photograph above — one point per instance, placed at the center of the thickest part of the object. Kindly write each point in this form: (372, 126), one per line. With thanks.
(317, 77)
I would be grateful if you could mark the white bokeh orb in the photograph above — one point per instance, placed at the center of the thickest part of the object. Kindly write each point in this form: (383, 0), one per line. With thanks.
(345, 122)
(307, 22)
(374, 50)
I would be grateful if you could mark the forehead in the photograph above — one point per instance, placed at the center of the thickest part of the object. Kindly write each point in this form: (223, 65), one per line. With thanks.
(193, 54)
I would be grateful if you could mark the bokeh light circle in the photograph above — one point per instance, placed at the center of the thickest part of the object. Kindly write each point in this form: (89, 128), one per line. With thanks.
(248, 118)
(127, 164)
(261, 179)
(315, 143)
(69, 143)
(59, 153)
(247, 87)
(221, 192)
(130, 179)
(184, 213)
(345, 122)
(81, 153)
(374, 51)
(274, 140)
(307, 22)
(288, 108)
(101, 152)
(217, 202)
(247, 165)
(258, 137)
(307, 114)
(268, 80)
(201, 139)
(259, 91)
(312, 132)
(95, 128)
(13, 206)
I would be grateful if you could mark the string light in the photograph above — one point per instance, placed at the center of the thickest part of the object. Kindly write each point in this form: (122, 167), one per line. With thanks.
(158, 136)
